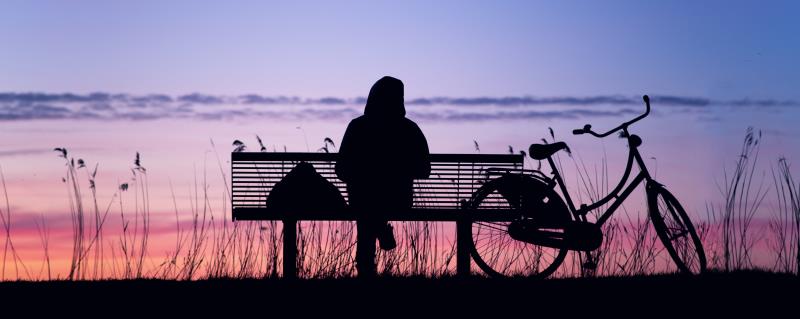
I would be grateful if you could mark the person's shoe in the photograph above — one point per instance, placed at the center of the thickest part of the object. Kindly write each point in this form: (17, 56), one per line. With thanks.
(386, 237)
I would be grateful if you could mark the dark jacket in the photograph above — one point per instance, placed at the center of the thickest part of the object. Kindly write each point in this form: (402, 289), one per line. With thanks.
(382, 151)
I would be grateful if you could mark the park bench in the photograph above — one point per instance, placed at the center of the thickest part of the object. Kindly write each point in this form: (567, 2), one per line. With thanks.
(442, 197)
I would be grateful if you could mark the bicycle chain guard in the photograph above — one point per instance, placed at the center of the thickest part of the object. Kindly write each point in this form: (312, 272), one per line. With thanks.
(574, 235)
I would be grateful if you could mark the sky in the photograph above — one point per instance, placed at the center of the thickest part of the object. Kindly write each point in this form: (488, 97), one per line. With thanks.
(721, 49)
(178, 81)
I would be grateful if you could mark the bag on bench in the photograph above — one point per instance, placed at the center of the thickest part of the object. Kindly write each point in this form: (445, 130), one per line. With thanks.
(304, 190)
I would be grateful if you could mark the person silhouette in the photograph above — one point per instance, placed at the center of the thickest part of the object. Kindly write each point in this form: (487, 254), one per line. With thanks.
(380, 155)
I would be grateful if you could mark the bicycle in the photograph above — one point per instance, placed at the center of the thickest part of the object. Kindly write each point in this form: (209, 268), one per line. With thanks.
(537, 239)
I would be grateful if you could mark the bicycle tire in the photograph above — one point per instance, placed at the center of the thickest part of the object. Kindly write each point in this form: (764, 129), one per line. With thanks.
(499, 255)
(672, 223)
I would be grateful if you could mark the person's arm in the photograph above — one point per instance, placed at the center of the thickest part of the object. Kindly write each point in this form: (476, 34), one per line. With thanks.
(344, 161)
(421, 163)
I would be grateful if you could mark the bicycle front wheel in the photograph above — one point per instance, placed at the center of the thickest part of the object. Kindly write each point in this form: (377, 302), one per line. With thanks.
(493, 249)
(675, 230)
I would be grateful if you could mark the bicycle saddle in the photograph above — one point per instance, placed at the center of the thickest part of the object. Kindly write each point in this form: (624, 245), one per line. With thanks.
(543, 151)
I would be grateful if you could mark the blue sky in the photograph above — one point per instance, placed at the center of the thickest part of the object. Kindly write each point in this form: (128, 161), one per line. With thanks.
(715, 49)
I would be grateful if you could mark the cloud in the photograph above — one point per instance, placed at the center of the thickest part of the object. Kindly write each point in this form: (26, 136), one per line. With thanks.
(152, 100)
(35, 111)
(258, 99)
(680, 100)
(331, 100)
(24, 151)
(520, 115)
(108, 106)
(30, 98)
(197, 98)
(763, 103)
(36, 97)
(523, 101)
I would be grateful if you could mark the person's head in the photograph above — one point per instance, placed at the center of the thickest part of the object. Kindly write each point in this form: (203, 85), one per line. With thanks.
(386, 99)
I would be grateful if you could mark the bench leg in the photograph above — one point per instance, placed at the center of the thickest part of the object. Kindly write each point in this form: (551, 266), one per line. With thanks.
(463, 231)
(289, 249)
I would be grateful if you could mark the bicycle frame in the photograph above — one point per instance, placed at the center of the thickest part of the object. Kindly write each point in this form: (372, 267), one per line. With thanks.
(643, 175)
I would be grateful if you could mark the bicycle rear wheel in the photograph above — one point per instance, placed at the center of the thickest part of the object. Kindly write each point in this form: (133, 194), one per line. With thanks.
(675, 230)
(494, 250)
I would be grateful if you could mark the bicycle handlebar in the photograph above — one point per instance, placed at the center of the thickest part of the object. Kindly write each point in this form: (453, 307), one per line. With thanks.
(587, 129)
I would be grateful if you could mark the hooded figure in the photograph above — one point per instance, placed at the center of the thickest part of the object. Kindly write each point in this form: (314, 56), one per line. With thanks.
(381, 154)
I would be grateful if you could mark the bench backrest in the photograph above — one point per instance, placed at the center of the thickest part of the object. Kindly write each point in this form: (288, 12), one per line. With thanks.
(453, 176)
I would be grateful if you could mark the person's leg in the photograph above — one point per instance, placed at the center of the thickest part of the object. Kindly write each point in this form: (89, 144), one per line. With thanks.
(386, 235)
(365, 249)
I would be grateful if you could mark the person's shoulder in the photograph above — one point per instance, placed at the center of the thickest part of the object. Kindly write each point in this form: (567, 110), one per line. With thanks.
(408, 122)
(357, 121)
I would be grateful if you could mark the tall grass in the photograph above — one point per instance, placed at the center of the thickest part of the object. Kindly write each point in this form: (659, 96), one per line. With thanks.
(743, 191)
(208, 245)
(785, 225)
(8, 246)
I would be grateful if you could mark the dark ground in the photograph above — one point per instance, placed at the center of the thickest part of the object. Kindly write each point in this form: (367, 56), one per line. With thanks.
(713, 294)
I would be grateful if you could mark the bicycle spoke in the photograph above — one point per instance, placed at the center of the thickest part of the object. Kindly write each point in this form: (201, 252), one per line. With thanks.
(495, 227)
(497, 251)
(678, 235)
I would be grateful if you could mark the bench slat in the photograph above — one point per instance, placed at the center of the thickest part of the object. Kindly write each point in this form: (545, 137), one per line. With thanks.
(454, 177)
(331, 157)
(417, 214)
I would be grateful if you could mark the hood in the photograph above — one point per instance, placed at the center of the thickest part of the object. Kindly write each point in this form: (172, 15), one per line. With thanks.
(386, 99)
